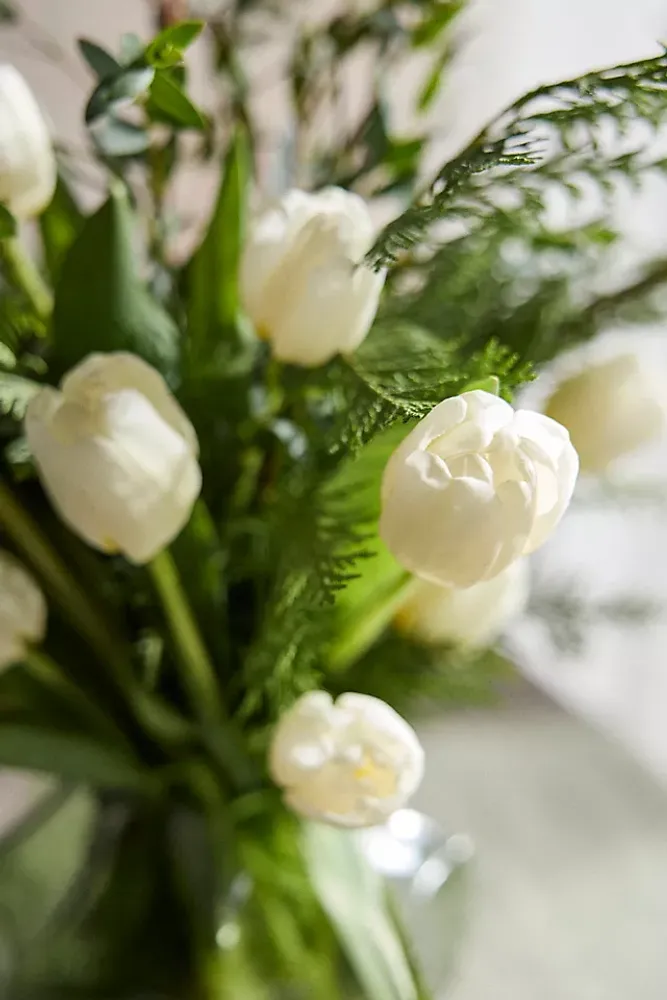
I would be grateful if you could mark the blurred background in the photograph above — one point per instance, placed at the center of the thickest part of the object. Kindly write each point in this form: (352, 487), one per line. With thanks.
(561, 784)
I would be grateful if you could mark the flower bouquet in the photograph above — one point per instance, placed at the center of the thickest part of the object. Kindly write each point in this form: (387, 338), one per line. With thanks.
(258, 500)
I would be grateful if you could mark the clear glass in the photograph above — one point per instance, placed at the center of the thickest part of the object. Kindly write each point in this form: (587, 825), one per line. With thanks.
(427, 873)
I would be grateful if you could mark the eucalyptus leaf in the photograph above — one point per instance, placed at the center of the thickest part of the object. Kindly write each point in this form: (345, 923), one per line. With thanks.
(8, 224)
(100, 61)
(117, 138)
(115, 92)
(70, 756)
(131, 48)
(353, 897)
(213, 273)
(167, 48)
(169, 104)
(101, 303)
(60, 223)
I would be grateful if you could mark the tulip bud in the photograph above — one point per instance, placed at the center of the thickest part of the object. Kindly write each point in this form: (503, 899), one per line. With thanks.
(472, 618)
(302, 278)
(22, 611)
(27, 161)
(116, 454)
(352, 763)
(474, 486)
(610, 409)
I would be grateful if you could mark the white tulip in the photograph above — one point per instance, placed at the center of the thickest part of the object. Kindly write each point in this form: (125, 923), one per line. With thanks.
(116, 454)
(474, 486)
(610, 409)
(351, 763)
(473, 617)
(22, 611)
(27, 162)
(302, 278)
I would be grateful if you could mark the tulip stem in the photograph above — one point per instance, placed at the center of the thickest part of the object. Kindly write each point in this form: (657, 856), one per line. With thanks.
(48, 673)
(364, 628)
(74, 601)
(23, 274)
(198, 674)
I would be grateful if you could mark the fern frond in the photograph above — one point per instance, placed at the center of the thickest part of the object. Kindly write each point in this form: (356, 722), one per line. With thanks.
(554, 136)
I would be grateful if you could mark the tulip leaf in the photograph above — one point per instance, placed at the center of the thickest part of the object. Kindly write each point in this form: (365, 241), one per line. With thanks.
(60, 224)
(166, 49)
(101, 303)
(70, 756)
(213, 273)
(100, 61)
(169, 104)
(353, 897)
(7, 223)
(114, 92)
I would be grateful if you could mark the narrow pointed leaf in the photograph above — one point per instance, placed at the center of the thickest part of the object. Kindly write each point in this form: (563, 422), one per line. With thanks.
(60, 224)
(101, 303)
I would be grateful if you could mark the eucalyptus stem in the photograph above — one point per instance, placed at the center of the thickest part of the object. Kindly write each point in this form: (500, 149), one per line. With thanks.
(197, 671)
(23, 274)
(50, 674)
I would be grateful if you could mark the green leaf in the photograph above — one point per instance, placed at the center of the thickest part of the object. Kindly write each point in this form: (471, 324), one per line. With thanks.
(168, 103)
(213, 273)
(115, 92)
(167, 48)
(101, 303)
(71, 757)
(100, 61)
(131, 48)
(60, 223)
(117, 138)
(353, 897)
(7, 223)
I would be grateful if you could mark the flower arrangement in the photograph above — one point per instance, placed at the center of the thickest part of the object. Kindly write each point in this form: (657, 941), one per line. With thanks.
(255, 502)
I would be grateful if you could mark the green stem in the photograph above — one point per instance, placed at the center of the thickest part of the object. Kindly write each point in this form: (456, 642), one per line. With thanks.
(72, 598)
(197, 670)
(23, 274)
(86, 619)
(365, 627)
(51, 675)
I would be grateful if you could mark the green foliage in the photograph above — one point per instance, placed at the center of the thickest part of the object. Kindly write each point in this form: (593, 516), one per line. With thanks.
(169, 103)
(60, 223)
(167, 48)
(551, 137)
(213, 312)
(100, 61)
(101, 303)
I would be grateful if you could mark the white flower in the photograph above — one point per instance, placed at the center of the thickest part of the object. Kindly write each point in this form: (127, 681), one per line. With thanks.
(610, 408)
(116, 454)
(474, 486)
(22, 611)
(302, 279)
(472, 617)
(27, 161)
(351, 763)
